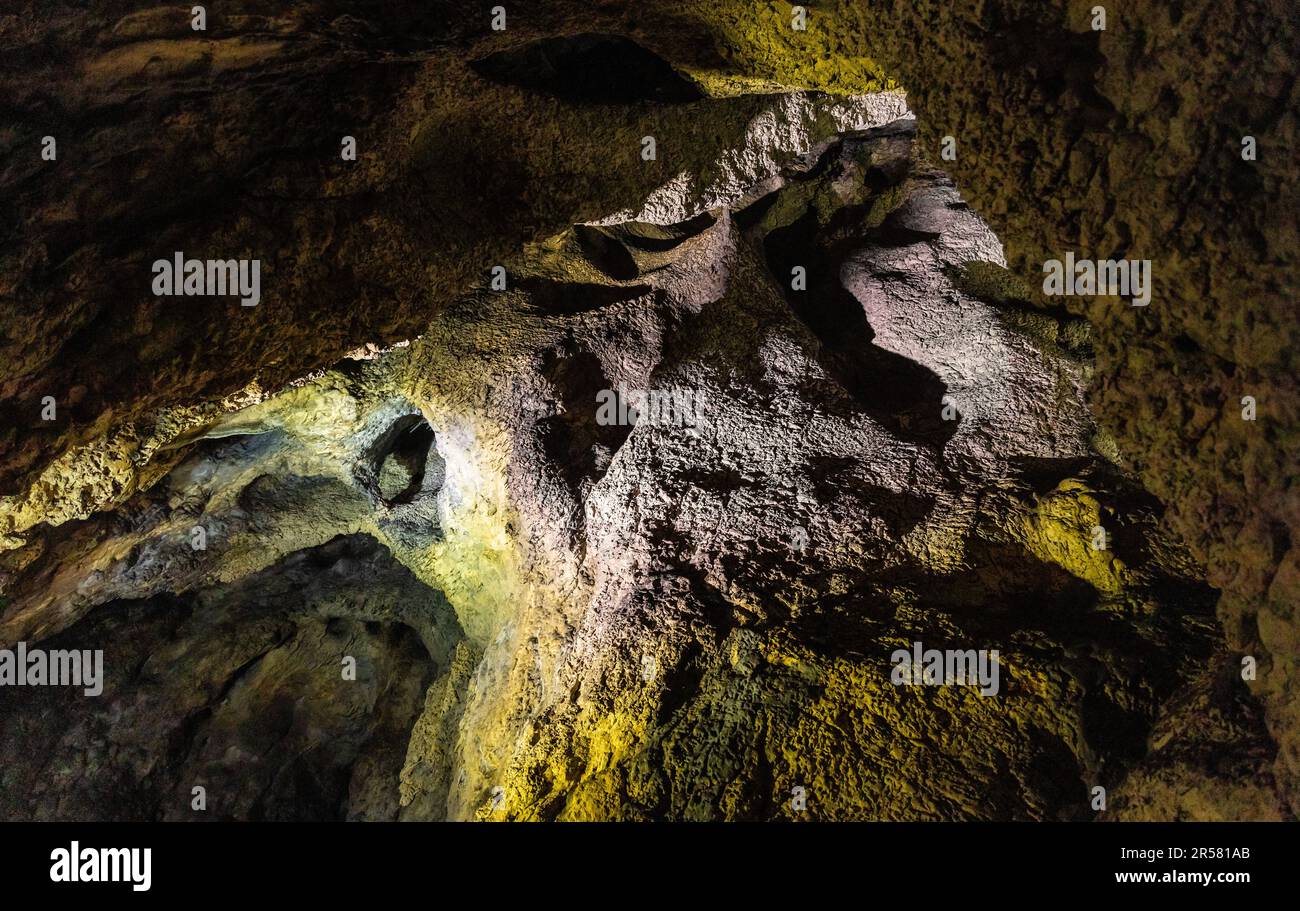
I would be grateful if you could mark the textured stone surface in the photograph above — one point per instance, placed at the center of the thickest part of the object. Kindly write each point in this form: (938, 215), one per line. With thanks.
(667, 621)
(1127, 143)
(1210, 758)
(822, 512)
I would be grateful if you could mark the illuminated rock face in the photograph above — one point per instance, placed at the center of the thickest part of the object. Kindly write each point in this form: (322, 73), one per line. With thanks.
(684, 618)
(611, 619)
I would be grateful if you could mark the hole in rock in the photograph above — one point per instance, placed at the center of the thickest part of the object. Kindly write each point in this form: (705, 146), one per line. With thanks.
(401, 469)
(613, 248)
(580, 446)
(549, 296)
(606, 253)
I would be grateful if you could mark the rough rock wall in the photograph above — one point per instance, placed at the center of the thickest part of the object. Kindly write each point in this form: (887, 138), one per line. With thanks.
(1120, 143)
(157, 123)
(1117, 143)
(227, 143)
(685, 617)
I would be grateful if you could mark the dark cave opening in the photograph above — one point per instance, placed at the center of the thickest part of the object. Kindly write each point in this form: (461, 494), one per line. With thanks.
(288, 695)
(405, 456)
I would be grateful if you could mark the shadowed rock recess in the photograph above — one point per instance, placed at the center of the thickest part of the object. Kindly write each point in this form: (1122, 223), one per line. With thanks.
(374, 549)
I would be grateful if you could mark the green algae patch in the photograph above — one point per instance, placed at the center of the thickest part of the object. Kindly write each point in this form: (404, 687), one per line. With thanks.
(1062, 531)
(760, 40)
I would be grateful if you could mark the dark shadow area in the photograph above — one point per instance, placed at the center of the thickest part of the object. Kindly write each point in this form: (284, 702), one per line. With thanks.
(597, 69)
(836, 478)
(288, 695)
(904, 396)
(549, 296)
(402, 470)
(614, 249)
(604, 251)
(574, 439)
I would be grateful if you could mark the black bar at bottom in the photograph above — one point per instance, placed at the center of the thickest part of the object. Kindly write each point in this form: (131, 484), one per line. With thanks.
(598, 863)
